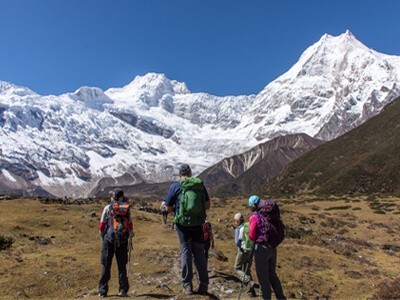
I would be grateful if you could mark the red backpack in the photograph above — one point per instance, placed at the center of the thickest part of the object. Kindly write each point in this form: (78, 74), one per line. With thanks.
(207, 230)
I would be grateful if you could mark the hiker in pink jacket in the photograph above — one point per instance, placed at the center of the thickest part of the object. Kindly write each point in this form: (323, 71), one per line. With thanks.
(266, 234)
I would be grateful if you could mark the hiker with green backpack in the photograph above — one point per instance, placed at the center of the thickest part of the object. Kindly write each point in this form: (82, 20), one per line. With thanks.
(189, 199)
(244, 253)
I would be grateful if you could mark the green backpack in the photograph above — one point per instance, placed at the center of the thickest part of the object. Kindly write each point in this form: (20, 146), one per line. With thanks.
(192, 203)
(247, 242)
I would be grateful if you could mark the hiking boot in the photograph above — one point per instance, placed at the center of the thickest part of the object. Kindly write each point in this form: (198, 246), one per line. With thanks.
(101, 295)
(250, 289)
(122, 293)
(252, 293)
(203, 290)
(187, 289)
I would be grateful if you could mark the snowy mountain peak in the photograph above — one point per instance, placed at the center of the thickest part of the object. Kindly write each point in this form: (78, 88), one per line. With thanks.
(88, 93)
(337, 82)
(4, 85)
(93, 97)
(156, 81)
(346, 37)
(329, 45)
(180, 87)
(148, 90)
(349, 33)
(7, 88)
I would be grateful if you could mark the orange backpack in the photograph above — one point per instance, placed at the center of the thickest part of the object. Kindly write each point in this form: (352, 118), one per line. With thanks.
(120, 216)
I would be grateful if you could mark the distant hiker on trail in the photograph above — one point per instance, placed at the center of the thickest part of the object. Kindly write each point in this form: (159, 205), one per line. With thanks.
(267, 231)
(116, 232)
(208, 238)
(190, 199)
(244, 253)
(164, 213)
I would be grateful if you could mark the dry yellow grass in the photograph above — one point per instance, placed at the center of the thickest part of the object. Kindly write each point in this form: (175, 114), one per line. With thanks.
(339, 254)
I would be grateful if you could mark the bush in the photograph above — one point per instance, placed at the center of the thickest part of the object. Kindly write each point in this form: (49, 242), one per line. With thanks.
(344, 207)
(5, 242)
(389, 290)
(296, 233)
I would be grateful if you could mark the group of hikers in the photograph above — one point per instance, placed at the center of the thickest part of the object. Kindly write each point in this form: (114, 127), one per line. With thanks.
(188, 199)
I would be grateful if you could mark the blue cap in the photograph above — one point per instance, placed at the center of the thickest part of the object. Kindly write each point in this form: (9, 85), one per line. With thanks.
(254, 200)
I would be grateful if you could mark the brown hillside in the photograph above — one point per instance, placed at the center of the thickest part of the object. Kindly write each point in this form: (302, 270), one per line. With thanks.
(365, 160)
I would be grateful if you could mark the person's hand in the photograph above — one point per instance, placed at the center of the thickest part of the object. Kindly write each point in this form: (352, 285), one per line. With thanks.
(101, 233)
(212, 245)
(131, 234)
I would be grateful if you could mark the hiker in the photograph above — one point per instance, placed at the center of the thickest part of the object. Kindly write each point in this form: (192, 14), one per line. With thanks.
(267, 231)
(208, 238)
(164, 213)
(190, 200)
(244, 252)
(116, 230)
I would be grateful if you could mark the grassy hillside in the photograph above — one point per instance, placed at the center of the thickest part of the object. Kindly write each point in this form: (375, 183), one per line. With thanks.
(340, 248)
(365, 160)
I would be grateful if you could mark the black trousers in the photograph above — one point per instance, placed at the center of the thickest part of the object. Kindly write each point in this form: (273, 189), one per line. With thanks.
(121, 254)
(207, 245)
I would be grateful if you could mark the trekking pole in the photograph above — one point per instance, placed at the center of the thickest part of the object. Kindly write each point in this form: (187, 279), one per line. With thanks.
(130, 247)
(246, 269)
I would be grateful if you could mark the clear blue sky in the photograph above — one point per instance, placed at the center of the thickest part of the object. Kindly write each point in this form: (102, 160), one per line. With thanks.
(223, 47)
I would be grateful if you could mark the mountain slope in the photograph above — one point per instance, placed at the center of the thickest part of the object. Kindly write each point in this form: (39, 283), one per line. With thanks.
(365, 160)
(247, 172)
(72, 144)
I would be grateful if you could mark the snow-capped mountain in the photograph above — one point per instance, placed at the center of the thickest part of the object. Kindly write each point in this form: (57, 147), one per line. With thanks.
(337, 84)
(69, 143)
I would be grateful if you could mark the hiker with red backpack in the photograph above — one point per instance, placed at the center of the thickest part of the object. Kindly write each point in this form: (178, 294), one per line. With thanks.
(190, 200)
(267, 232)
(116, 232)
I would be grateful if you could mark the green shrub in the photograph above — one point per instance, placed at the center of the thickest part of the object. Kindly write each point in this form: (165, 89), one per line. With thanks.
(302, 218)
(296, 233)
(5, 242)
